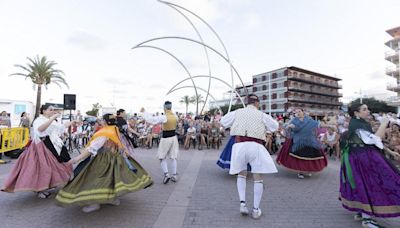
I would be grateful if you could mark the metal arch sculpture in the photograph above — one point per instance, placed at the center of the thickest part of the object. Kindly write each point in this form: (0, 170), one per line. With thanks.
(205, 46)
(175, 6)
(206, 76)
(171, 5)
(178, 60)
(199, 88)
(193, 41)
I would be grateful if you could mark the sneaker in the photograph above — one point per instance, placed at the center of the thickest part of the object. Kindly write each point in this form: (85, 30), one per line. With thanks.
(300, 176)
(174, 178)
(358, 217)
(166, 178)
(243, 209)
(256, 213)
(43, 195)
(91, 208)
(115, 202)
(369, 223)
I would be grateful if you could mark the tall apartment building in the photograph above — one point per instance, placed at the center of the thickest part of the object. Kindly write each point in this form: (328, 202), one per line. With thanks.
(394, 71)
(291, 87)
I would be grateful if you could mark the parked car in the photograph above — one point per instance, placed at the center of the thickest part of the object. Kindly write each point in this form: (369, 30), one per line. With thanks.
(90, 119)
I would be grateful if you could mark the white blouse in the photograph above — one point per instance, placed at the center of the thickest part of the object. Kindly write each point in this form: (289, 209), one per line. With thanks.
(54, 127)
(54, 131)
(370, 138)
(96, 144)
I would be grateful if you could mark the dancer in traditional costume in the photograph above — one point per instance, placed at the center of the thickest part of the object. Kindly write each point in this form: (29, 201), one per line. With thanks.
(302, 152)
(249, 126)
(124, 130)
(108, 175)
(369, 183)
(40, 166)
(169, 146)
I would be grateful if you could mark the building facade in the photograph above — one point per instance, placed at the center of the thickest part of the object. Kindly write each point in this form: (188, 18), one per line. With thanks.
(292, 87)
(394, 71)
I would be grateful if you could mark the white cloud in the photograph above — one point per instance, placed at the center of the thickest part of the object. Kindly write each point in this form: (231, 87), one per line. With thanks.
(86, 40)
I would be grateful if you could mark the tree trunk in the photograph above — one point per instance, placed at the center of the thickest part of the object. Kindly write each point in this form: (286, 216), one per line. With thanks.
(38, 96)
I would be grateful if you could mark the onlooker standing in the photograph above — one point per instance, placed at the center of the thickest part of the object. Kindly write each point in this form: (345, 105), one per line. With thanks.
(25, 121)
(5, 122)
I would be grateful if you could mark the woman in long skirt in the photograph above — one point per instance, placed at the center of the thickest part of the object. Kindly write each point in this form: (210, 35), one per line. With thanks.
(369, 183)
(302, 152)
(40, 167)
(109, 174)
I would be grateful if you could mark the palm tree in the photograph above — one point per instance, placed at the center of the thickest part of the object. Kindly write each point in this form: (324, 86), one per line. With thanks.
(41, 72)
(186, 100)
(197, 101)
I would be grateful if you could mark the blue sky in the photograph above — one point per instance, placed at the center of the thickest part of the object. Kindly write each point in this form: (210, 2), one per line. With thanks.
(91, 41)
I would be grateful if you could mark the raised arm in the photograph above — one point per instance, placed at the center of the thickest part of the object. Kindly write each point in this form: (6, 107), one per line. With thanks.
(153, 119)
(228, 119)
(46, 124)
(271, 124)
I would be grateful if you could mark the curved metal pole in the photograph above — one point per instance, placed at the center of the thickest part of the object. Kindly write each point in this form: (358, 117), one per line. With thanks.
(194, 41)
(199, 88)
(180, 62)
(206, 76)
(220, 40)
(205, 51)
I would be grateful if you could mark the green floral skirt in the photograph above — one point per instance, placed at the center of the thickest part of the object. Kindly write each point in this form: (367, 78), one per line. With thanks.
(105, 178)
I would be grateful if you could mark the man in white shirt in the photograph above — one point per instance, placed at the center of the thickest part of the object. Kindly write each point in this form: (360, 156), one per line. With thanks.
(249, 126)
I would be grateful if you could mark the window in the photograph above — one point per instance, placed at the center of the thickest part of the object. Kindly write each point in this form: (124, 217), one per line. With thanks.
(281, 95)
(286, 73)
(274, 86)
(286, 83)
(254, 80)
(274, 106)
(255, 89)
(264, 107)
(264, 87)
(274, 96)
(274, 75)
(264, 77)
(264, 97)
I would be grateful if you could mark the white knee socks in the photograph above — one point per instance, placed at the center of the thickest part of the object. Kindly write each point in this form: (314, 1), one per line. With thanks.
(258, 192)
(365, 215)
(164, 166)
(173, 163)
(241, 186)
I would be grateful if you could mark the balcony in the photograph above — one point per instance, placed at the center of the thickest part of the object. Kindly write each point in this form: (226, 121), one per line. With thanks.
(394, 101)
(307, 89)
(315, 80)
(392, 55)
(393, 71)
(313, 100)
(393, 87)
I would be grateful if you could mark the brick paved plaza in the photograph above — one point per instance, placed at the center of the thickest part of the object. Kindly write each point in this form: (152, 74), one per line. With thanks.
(205, 196)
